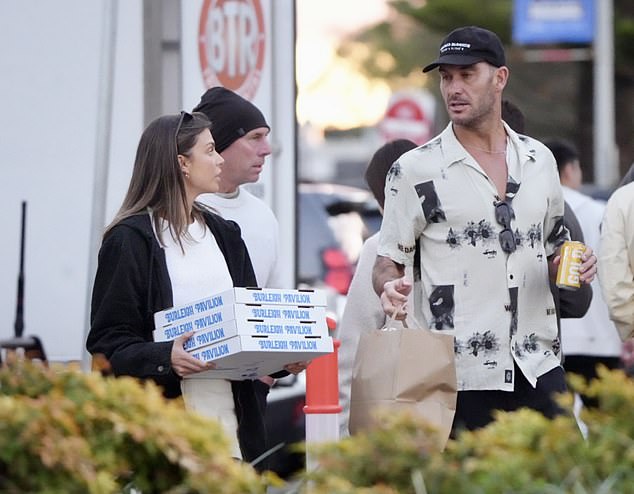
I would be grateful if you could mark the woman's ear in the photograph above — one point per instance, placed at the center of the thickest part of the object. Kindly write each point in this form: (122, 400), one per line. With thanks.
(183, 162)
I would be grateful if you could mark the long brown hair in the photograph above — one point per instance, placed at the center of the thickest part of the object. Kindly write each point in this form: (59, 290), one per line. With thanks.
(157, 182)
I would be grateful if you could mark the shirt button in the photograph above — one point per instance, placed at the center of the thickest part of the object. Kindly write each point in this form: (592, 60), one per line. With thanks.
(511, 276)
(160, 368)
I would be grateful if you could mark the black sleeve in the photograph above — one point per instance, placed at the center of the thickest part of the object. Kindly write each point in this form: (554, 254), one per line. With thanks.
(574, 303)
(121, 322)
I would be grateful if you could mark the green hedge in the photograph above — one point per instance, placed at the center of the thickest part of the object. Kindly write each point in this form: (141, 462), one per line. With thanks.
(519, 453)
(64, 431)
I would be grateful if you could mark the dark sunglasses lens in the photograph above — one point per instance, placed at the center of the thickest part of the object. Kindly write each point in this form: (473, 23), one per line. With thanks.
(503, 214)
(507, 241)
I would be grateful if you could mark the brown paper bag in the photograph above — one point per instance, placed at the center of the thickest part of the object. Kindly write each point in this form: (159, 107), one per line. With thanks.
(397, 369)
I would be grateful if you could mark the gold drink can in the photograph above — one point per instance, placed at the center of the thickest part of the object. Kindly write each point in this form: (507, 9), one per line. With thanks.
(568, 271)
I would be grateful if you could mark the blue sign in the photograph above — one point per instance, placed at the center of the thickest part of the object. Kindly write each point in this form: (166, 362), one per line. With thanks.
(553, 21)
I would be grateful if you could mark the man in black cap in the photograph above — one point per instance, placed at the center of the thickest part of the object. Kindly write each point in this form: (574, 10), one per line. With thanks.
(241, 134)
(478, 211)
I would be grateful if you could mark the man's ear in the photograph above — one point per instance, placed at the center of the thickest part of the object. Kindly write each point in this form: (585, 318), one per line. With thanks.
(501, 77)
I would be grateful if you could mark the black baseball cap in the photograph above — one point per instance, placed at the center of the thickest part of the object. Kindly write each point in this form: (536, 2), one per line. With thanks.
(469, 45)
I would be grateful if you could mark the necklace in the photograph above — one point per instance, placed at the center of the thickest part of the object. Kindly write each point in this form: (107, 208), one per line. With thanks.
(484, 150)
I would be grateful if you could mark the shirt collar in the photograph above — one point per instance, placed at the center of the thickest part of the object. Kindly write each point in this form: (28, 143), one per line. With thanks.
(523, 145)
(456, 153)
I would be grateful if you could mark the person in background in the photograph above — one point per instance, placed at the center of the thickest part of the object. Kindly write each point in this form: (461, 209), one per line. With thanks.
(241, 134)
(592, 339)
(478, 211)
(164, 249)
(363, 311)
(628, 177)
(513, 116)
(242, 137)
(568, 304)
(616, 264)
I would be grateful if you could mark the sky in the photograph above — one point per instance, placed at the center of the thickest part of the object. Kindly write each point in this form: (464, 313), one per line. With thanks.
(330, 92)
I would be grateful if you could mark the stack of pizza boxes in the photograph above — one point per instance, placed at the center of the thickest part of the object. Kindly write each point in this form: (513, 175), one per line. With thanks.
(250, 332)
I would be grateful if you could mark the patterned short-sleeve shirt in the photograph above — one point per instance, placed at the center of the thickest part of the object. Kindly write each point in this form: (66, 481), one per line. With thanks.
(440, 217)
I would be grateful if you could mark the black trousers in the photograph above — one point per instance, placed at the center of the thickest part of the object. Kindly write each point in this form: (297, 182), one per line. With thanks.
(586, 366)
(474, 409)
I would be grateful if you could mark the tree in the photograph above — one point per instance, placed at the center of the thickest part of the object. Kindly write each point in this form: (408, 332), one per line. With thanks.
(556, 98)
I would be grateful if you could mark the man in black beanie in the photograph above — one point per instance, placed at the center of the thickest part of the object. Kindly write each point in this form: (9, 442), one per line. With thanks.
(241, 134)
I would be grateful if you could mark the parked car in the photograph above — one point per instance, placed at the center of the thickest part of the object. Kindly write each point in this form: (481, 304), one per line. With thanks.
(334, 220)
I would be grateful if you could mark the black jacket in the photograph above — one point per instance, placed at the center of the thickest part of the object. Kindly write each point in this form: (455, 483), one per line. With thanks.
(132, 282)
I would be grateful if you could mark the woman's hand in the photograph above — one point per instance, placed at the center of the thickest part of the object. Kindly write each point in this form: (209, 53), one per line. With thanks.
(182, 362)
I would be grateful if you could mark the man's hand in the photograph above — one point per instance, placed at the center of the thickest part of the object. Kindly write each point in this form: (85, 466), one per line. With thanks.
(394, 297)
(587, 271)
(588, 268)
(182, 362)
(296, 367)
(391, 286)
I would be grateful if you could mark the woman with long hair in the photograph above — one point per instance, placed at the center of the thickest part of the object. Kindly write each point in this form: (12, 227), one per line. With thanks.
(164, 249)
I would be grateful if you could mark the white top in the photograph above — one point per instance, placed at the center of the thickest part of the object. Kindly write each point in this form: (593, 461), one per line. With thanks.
(196, 273)
(616, 259)
(498, 306)
(260, 231)
(593, 334)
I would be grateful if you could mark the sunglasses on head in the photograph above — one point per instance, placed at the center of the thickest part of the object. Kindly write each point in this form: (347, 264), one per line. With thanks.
(184, 118)
(503, 215)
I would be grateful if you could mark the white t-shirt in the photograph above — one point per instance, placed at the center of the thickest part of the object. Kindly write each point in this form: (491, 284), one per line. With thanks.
(259, 229)
(498, 306)
(196, 273)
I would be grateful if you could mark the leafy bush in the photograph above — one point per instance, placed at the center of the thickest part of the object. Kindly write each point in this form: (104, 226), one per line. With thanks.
(520, 452)
(65, 431)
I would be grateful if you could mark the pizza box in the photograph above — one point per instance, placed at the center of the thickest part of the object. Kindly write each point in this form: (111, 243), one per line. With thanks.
(258, 296)
(250, 356)
(233, 327)
(255, 313)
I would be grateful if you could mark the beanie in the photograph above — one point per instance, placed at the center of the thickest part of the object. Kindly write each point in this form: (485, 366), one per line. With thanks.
(231, 115)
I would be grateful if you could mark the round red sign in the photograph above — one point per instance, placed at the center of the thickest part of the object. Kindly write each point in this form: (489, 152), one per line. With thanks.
(231, 44)
(409, 115)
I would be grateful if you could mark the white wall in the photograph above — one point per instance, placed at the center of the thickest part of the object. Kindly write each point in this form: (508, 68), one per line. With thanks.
(49, 64)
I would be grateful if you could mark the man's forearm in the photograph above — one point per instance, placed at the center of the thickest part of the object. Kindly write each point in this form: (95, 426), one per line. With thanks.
(385, 269)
